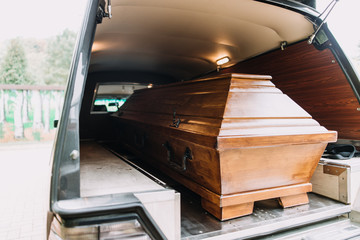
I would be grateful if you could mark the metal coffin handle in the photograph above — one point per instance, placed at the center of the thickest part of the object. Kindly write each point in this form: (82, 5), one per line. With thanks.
(176, 121)
(170, 157)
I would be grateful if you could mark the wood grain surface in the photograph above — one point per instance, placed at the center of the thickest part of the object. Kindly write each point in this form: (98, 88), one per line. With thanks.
(293, 200)
(237, 137)
(315, 81)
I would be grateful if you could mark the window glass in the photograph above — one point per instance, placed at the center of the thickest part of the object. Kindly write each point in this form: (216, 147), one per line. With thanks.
(109, 97)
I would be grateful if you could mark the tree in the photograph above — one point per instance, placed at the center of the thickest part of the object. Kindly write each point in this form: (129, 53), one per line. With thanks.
(59, 56)
(14, 66)
(58, 60)
(14, 71)
(2, 106)
(35, 50)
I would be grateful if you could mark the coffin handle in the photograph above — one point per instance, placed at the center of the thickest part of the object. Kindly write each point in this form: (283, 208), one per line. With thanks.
(176, 121)
(140, 140)
(170, 157)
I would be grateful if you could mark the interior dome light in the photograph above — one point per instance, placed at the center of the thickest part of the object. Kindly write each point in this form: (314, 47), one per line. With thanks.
(222, 61)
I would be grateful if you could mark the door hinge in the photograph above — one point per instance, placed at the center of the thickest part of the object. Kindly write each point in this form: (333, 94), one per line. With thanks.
(326, 12)
(101, 13)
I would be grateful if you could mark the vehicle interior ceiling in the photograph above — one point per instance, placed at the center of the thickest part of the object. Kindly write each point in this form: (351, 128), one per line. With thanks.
(159, 42)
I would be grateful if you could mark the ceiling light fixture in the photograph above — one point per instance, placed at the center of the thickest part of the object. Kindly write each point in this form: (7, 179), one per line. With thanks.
(222, 61)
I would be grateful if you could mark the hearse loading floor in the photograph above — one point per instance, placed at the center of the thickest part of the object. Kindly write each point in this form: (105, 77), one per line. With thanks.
(340, 228)
(267, 218)
(268, 215)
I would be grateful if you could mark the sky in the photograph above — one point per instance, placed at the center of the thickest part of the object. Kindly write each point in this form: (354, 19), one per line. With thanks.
(46, 18)
(344, 22)
(39, 18)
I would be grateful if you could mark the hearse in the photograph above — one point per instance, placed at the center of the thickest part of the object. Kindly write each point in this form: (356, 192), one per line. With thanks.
(206, 120)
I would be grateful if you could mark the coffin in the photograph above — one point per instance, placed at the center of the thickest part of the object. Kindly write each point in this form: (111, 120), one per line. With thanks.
(233, 139)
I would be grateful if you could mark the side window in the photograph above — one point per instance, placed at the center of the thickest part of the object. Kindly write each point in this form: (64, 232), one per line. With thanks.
(109, 97)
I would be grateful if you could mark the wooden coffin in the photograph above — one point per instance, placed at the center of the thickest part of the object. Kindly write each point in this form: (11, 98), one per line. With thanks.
(233, 139)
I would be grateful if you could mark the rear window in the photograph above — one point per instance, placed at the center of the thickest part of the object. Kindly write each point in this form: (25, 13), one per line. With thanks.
(109, 97)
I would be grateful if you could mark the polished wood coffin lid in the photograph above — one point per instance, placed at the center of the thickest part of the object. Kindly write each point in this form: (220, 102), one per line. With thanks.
(239, 110)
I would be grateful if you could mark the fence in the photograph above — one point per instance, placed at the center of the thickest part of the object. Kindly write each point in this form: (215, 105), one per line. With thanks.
(27, 112)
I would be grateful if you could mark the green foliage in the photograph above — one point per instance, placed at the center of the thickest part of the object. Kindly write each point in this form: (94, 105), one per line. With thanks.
(28, 125)
(14, 65)
(37, 61)
(35, 50)
(2, 133)
(37, 136)
(59, 53)
(9, 115)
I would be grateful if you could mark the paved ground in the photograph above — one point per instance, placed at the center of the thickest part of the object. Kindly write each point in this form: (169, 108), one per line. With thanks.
(24, 171)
